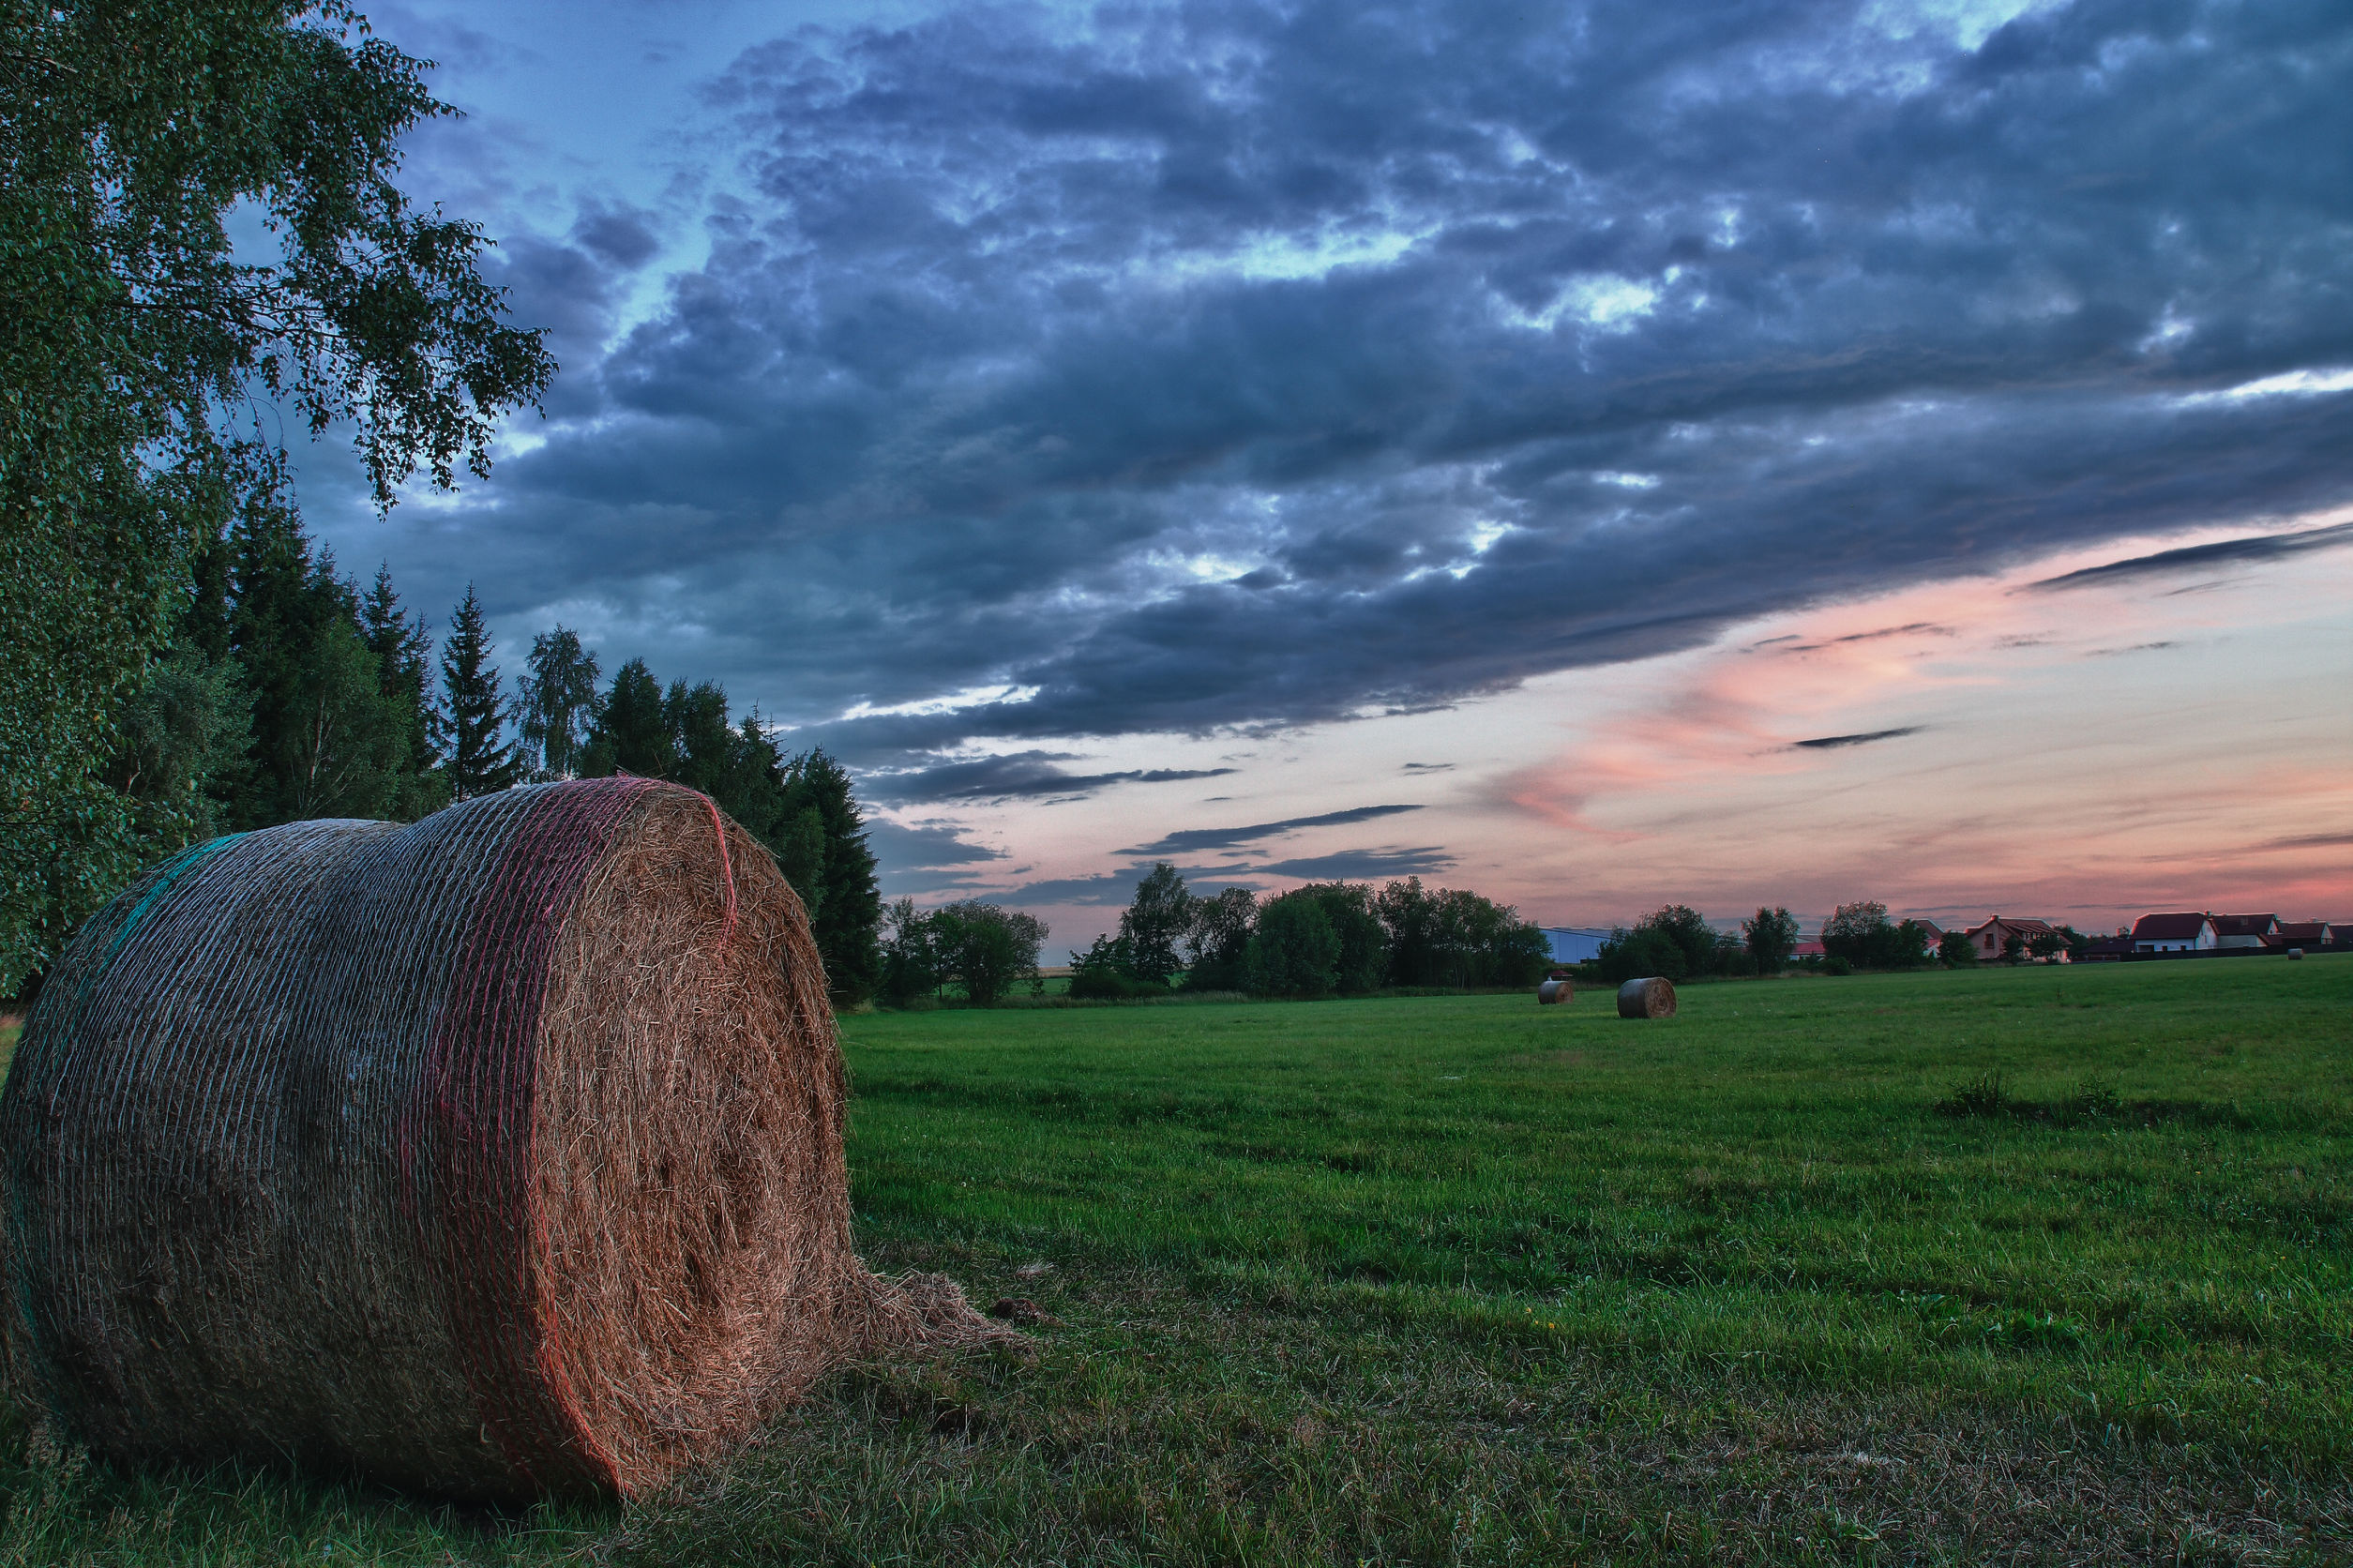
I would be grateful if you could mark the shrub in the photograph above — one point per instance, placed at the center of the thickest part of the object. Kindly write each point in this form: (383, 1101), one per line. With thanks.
(1363, 961)
(1674, 941)
(1981, 1096)
(1772, 936)
(1217, 976)
(1294, 952)
(987, 946)
(1107, 972)
(1109, 985)
(1862, 934)
(1452, 938)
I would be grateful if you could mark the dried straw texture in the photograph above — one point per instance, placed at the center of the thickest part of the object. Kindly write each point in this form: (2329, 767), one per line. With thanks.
(1654, 998)
(493, 1156)
(1551, 993)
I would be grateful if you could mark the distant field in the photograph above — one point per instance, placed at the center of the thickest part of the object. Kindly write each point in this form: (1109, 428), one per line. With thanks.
(1461, 1281)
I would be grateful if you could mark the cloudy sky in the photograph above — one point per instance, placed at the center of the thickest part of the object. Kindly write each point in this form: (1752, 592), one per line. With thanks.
(1596, 454)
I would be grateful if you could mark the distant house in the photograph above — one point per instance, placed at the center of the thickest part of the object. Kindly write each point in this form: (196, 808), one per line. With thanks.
(1808, 949)
(1930, 932)
(2174, 933)
(2308, 933)
(2104, 950)
(1573, 944)
(1995, 934)
(2245, 930)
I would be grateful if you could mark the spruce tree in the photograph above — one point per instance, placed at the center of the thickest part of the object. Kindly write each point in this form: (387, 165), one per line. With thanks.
(325, 740)
(631, 733)
(481, 761)
(702, 741)
(759, 797)
(405, 676)
(848, 910)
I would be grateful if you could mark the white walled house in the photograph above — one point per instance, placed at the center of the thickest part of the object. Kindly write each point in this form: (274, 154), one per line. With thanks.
(2175, 933)
(2246, 930)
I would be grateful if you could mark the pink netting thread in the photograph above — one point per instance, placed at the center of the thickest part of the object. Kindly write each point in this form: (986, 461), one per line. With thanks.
(727, 869)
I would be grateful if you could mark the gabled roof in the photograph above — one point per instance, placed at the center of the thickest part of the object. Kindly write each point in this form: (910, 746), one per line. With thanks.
(2169, 928)
(2245, 925)
(2306, 930)
(2015, 922)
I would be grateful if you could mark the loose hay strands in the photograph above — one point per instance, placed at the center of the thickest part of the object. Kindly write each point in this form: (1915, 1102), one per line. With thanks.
(1651, 998)
(494, 1156)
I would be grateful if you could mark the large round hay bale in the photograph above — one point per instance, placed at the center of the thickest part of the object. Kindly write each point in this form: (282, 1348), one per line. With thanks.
(492, 1156)
(1651, 998)
(1551, 993)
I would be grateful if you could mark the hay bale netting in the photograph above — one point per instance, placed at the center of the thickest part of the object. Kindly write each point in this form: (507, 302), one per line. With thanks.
(1553, 992)
(1651, 998)
(492, 1156)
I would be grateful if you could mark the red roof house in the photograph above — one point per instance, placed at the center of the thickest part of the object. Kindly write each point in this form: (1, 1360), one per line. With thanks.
(1994, 935)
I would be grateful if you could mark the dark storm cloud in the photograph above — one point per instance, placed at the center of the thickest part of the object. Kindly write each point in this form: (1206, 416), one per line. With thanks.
(924, 857)
(1833, 743)
(1362, 865)
(1191, 841)
(2266, 547)
(2310, 842)
(1235, 365)
(1015, 776)
(1116, 889)
(1915, 628)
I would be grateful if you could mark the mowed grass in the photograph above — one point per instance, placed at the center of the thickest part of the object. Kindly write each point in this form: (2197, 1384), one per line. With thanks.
(1465, 1280)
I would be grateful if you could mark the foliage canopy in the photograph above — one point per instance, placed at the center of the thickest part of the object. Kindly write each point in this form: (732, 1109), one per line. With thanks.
(139, 345)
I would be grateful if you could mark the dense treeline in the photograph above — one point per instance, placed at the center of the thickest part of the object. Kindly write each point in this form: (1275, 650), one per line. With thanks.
(289, 693)
(1325, 939)
(1675, 940)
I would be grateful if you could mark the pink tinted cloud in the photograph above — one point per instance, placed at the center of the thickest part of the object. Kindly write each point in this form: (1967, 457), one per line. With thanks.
(2088, 753)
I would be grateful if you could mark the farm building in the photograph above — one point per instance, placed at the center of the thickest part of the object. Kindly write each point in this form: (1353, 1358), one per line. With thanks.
(1990, 937)
(1573, 944)
(2308, 933)
(2246, 930)
(2175, 933)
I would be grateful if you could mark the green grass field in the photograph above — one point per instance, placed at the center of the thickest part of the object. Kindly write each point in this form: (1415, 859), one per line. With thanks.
(1462, 1280)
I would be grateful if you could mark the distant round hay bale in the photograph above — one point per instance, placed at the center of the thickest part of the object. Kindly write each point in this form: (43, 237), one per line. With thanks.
(1552, 992)
(493, 1156)
(1654, 998)
(2295, 951)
